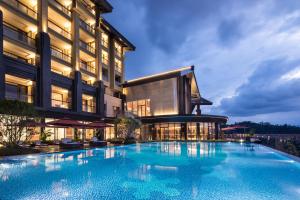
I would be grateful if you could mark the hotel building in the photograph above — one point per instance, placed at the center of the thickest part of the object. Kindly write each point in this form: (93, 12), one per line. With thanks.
(68, 61)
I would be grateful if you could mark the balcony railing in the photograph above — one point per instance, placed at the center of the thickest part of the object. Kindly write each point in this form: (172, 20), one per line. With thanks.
(60, 55)
(22, 7)
(26, 60)
(16, 34)
(88, 108)
(118, 52)
(86, 26)
(20, 97)
(87, 6)
(118, 68)
(105, 60)
(104, 42)
(61, 104)
(86, 47)
(87, 66)
(61, 7)
(59, 29)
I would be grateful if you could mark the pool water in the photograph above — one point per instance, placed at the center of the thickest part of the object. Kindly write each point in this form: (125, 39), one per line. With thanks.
(167, 170)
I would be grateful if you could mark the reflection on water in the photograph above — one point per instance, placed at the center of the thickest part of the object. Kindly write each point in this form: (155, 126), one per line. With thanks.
(167, 170)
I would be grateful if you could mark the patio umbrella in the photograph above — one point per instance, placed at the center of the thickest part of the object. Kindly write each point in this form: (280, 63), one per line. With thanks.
(67, 123)
(98, 124)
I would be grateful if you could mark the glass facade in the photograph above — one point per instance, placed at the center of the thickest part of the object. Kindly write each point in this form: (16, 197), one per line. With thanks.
(140, 107)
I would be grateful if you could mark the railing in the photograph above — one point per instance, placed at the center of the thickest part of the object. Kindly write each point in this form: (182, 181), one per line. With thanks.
(118, 53)
(58, 54)
(16, 34)
(118, 67)
(61, 104)
(88, 6)
(29, 61)
(88, 108)
(86, 26)
(59, 29)
(105, 60)
(22, 7)
(61, 7)
(104, 42)
(86, 47)
(20, 97)
(87, 66)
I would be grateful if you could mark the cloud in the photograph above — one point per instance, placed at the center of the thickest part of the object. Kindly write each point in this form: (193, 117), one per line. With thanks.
(266, 91)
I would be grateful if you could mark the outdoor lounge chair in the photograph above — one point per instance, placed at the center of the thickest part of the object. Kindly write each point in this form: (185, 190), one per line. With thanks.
(97, 143)
(67, 143)
(40, 144)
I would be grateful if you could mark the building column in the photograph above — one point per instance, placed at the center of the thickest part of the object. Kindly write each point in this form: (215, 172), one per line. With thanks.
(2, 69)
(217, 131)
(100, 99)
(77, 83)
(181, 95)
(198, 110)
(42, 16)
(198, 130)
(183, 131)
(111, 62)
(98, 44)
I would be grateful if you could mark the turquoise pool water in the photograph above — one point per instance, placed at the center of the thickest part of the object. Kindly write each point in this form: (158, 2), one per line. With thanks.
(170, 170)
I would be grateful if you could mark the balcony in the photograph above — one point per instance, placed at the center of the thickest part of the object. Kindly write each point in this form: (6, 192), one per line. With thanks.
(26, 60)
(87, 66)
(88, 108)
(17, 35)
(56, 28)
(60, 55)
(87, 47)
(22, 7)
(60, 7)
(87, 6)
(20, 97)
(90, 29)
(61, 104)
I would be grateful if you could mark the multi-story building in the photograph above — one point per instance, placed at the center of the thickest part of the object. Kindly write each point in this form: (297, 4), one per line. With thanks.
(62, 56)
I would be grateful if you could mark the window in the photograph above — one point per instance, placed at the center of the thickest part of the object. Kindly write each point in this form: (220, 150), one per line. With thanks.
(88, 103)
(61, 98)
(118, 65)
(104, 40)
(118, 49)
(140, 107)
(105, 57)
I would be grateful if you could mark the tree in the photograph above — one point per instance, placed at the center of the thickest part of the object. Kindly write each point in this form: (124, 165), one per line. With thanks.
(13, 117)
(125, 127)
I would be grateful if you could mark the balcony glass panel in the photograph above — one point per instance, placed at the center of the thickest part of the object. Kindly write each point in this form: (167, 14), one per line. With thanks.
(88, 103)
(59, 54)
(87, 47)
(22, 7)
(16, 34)
(59, 29)
(118, 66)
(61, 98)
(26, 60)
(87, 66)
(86, 27)
(60, 7)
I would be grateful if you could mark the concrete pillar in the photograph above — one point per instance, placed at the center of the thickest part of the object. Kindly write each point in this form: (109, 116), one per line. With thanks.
(75, 37)
(181, 95)
(42, 16)
(77, 92)
(98, 44)
(217, 131)
(2, 68)
(43, 62)
(183, 131)
(112, 62)
(198, 110)
(198, 130)
(100, 99)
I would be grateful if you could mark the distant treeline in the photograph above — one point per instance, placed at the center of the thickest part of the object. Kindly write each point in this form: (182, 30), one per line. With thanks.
(268, 128)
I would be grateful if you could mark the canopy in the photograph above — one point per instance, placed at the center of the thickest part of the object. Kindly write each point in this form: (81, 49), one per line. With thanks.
(67, 123)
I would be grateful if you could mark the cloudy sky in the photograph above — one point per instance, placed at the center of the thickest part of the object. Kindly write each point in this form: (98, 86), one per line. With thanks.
(246, 52)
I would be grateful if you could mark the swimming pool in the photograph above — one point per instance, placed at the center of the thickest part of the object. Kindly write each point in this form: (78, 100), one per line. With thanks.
(167, 170)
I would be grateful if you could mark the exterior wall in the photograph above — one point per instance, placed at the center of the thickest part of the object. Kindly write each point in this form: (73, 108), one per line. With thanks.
(162, 94)
(112, 103)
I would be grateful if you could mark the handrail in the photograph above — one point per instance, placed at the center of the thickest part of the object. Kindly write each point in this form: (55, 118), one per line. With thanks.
(59, 29)
(56, 53)
(87, 6)
(17, 34)
(21, 97)
(88, 108)
(86, 46)
(60, 103)
(22, 7)
(61, 7)
(87, 66)
(12, 55)
(86, 26)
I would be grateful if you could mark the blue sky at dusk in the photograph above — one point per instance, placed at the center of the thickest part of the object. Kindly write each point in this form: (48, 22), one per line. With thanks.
(246, 52)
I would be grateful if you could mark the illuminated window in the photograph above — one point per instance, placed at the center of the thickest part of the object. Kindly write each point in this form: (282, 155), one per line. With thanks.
(61, 98)
(88, 103)
(118, 49)
(140, 107)
(118, 65)
(105, 57)
(104, 40)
